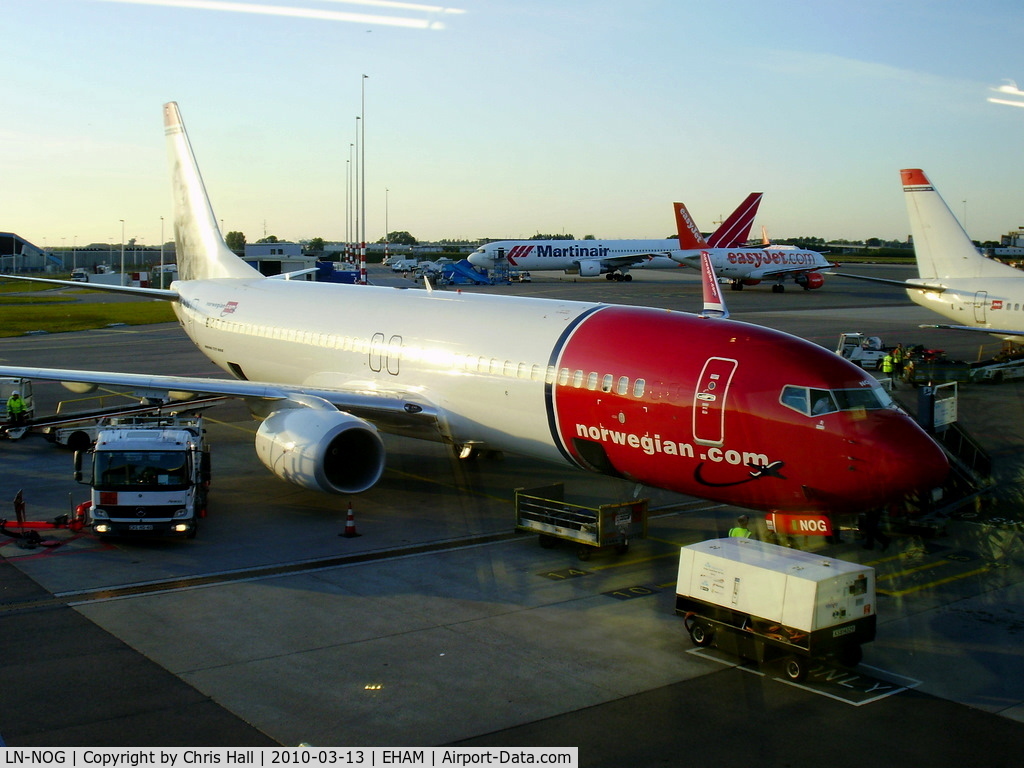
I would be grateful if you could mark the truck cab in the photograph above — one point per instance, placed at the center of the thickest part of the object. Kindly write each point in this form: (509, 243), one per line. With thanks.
(148, 475)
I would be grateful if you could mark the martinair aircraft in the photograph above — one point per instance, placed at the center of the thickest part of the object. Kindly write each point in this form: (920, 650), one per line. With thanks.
(954, 280)
(703, 406)
(611, 258)
(748, 266)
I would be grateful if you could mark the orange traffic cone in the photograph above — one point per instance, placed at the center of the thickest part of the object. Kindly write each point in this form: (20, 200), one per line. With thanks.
(350, 525)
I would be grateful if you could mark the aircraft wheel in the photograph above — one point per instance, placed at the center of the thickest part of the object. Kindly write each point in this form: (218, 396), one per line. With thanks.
(736, 286)
(701, 635)
(796, 669)
(627, 277)
(777, 288)
(609, 276)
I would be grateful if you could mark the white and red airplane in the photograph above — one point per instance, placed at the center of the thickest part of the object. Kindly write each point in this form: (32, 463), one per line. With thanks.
(703, 406)
(748, 266)
(954, 279)
(611, 258)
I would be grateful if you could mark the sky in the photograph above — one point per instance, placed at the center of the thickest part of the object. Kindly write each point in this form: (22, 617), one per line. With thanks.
(507, 118)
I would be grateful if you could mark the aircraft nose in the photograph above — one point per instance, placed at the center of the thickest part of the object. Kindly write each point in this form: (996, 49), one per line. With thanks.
(908, 461)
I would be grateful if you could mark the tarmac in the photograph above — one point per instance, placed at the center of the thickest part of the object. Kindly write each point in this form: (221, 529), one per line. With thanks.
(440, 625)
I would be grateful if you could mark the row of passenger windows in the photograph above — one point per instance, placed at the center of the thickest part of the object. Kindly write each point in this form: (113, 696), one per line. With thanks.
(388, 354)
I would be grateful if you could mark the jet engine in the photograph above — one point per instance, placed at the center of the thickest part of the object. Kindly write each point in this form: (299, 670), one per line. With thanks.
(810, 280)
(323, 450)
(590, 268)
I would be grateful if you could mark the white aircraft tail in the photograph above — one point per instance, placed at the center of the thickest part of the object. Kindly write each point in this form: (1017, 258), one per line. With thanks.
(942, 247)
(201, 250)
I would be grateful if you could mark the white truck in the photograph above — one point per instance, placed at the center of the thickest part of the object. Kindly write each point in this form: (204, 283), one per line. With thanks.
(865, 351)
(765, 602)
(149, 476)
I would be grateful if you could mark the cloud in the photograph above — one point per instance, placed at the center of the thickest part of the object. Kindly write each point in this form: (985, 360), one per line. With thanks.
(420, 16)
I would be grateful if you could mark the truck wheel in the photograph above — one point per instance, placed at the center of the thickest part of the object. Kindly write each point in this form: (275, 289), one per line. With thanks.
(701, 636)
(796, 669)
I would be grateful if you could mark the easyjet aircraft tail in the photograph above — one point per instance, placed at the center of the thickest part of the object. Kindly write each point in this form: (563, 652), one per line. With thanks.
(942, 247)
(690, 238)
(201, 250)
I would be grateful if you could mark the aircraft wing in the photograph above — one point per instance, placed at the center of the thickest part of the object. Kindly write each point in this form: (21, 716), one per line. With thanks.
(976, 329)
(153, 293)
(900, 283)
(615, 262)
(394, 411)
(782, 271)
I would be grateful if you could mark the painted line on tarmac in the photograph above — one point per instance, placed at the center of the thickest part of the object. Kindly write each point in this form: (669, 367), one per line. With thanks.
(105, 594)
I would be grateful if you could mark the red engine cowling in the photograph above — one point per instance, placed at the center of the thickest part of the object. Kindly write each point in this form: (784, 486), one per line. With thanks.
(751, 281)
(812, 280)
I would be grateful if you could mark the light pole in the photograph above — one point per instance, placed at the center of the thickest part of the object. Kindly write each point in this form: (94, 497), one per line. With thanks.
(355, 196)
(386, 193)
(74, 253)
(362, 194)
(161, 251)
(122, 252)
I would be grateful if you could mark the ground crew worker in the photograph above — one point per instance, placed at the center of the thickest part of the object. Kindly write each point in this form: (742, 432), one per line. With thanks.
(899, 357)
(740, 530)
(15, 410)
(888, 368)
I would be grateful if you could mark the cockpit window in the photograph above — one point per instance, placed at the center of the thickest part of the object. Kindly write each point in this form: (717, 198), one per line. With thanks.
(817, 402)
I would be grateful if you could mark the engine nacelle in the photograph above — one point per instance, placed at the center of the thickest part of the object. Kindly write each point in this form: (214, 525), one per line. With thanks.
(810, 280)
(590, 268)
(750, 281)
(323, 450)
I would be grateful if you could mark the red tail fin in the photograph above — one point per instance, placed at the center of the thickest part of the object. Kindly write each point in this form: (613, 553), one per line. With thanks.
(690, 237)
(735, 230)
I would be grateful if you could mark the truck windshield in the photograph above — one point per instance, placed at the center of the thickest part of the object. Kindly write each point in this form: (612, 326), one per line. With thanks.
(154, 470)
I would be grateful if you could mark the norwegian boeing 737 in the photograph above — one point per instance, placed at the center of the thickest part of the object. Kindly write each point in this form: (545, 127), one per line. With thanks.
(954, 280)
(611, 258)
(748, 266)
(703, 406)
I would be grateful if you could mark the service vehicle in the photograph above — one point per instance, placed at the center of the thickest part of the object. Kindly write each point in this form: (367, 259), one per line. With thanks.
(865, 351)
(149, 476)
(8, 386)
(765, 602)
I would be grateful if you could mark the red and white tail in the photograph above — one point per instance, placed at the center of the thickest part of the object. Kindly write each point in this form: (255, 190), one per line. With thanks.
(735, 230)
(714, 304)
(690, 238)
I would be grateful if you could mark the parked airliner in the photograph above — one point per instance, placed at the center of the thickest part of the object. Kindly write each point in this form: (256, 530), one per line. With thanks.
(954, 279)
(704, 406)
(748, 266)
(611, 258)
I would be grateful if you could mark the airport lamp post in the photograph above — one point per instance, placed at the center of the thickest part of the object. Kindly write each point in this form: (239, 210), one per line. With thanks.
(362, 194)
(386, 193)
(161, 251)
(355, 195)
(122, 252)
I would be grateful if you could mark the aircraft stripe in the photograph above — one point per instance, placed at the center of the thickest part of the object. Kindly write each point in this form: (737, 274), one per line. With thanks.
(549, 387)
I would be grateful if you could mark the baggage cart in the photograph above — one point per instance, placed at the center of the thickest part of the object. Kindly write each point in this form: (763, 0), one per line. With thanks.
(545, 512)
